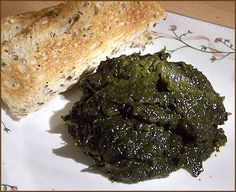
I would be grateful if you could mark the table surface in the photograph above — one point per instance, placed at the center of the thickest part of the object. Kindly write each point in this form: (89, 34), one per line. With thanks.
(218, 12)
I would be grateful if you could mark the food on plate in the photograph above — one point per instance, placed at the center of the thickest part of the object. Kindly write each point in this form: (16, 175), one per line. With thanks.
(45, 52)
(143, 116)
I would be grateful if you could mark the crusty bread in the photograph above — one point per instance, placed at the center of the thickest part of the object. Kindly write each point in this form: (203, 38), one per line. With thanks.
(12, 25)
(50, 52)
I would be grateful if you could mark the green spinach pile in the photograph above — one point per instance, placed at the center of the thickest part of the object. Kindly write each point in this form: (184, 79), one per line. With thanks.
(142, 117)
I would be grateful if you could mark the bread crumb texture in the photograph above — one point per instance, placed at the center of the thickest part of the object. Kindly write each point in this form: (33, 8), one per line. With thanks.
(45, 52)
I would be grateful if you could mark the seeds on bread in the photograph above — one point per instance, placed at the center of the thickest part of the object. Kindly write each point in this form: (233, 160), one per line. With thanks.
(49, 53)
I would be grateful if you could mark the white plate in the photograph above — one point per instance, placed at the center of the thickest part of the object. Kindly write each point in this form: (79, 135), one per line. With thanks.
(38, 153)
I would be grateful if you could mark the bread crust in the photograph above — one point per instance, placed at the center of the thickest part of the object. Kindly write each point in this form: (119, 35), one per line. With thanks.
(50, 54)
(12, 25)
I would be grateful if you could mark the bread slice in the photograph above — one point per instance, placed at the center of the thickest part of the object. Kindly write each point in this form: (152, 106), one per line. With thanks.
(52, 50)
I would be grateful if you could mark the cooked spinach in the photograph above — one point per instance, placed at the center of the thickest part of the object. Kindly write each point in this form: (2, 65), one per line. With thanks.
(142, 117)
